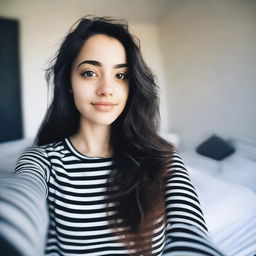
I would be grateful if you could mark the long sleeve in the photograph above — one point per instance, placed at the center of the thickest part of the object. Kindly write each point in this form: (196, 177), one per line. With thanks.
(187, 233)
(23, 208)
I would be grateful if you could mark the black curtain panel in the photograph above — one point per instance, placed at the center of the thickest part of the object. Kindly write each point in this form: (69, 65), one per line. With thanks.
(10, 85)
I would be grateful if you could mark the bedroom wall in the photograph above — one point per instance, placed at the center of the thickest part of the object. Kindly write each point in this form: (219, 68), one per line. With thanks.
(209, 61)
(44, 23)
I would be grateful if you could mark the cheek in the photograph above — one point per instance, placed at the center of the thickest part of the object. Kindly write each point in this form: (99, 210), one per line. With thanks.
(126, 94)
(81, 97)
(81, 91)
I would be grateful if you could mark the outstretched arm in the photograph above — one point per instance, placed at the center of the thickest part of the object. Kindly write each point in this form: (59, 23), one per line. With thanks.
(187, 233)
(23, 209)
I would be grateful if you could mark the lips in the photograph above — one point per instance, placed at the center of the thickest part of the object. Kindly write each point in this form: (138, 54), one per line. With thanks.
(103, 106)
(104, 103)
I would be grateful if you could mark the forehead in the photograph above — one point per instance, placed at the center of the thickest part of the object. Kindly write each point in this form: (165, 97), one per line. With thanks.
(104, 49)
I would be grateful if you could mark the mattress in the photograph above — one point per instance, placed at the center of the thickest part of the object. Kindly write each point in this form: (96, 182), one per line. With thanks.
(227, 195)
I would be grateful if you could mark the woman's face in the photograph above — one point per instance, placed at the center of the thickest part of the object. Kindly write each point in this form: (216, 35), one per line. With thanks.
(99, 80)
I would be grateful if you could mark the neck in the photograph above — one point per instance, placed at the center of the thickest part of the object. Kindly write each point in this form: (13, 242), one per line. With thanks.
(92, 140)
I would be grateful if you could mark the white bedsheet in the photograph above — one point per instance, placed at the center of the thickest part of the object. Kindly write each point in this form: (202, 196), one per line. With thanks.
(228, 203)
(223, 202)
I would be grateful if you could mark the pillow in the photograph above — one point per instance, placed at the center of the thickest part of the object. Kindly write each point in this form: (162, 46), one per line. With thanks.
(245, 147)
(215, 147)
(240, 169)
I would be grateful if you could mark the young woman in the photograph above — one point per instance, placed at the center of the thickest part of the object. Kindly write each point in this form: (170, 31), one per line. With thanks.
(113, 185)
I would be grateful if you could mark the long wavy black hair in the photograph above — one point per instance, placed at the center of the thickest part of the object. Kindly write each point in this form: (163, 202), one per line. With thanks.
(141, 156)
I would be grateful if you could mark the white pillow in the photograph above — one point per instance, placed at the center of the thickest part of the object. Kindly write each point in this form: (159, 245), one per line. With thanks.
(245, 147)
(240, 169)
(200, 162)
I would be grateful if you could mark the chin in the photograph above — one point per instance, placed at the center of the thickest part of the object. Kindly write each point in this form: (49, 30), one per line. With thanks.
(105, 122)
(97, 119)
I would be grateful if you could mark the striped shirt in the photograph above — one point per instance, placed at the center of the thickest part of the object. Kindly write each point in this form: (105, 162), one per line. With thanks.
(75, 189)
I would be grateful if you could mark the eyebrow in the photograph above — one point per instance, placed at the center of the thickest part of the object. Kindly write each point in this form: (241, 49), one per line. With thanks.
(98, 64)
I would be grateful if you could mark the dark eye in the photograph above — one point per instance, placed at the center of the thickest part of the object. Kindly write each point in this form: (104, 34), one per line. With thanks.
(121, 76)
(89, 73)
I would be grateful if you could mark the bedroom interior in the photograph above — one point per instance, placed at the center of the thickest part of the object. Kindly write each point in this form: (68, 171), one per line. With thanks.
(203, 55)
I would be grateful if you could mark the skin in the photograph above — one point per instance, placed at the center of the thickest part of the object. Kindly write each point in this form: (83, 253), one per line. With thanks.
(98, 75)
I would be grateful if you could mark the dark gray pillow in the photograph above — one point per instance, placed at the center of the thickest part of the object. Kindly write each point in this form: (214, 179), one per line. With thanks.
(215, 147)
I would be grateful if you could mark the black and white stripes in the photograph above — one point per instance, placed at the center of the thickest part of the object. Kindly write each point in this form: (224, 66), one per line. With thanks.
(23, 214)
(76, 189)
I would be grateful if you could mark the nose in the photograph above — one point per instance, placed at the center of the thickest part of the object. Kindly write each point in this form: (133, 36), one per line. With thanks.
(105, 87)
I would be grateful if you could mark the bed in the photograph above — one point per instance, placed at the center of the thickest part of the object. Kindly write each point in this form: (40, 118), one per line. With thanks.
(227, 192)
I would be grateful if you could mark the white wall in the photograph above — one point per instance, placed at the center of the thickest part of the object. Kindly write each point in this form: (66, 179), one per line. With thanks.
(202, 52)
(44, 23)
(151, 50)
(210, 65)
